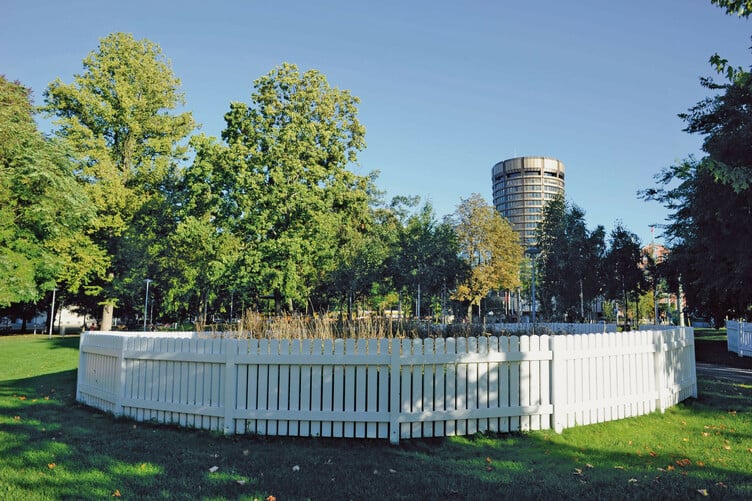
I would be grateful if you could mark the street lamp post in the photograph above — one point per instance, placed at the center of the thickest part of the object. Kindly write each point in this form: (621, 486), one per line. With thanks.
(52, 311)
(533, 252)
(146, 301)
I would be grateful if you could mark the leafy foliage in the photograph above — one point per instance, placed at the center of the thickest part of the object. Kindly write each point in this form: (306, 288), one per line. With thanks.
(623, 271)
(288, 196)
(43, 211)
(710, 230)
(118, 115)
(570, 261)
(490, 248)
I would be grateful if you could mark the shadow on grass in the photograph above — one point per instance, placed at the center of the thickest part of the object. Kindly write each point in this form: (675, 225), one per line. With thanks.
(52, 448)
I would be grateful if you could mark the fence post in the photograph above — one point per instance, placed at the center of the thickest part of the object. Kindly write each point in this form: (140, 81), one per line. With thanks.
(395, 404)
(557, 345)
(231, 347)
(121, 363)
(659, 366)
(82, 363)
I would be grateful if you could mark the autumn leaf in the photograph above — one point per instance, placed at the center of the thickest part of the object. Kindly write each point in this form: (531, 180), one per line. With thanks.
(16, 418)
(683, 462)
(51, 466)
(213, 469)
(577, 471)
(270, 498)
(116, 494)
(22, 398)
(702, 492)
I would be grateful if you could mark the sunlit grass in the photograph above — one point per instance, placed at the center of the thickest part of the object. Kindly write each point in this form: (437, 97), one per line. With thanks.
(51, 448)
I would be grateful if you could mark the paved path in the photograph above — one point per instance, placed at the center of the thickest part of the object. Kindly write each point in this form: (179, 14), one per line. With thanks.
(723, 372)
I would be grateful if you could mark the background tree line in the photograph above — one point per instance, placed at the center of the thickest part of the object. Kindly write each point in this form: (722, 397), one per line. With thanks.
(270, 217)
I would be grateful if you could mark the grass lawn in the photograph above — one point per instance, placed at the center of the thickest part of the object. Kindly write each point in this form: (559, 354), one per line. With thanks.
(52, 448)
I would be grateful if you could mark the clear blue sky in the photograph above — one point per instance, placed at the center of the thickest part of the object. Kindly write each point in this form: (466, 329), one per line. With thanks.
(447, 89)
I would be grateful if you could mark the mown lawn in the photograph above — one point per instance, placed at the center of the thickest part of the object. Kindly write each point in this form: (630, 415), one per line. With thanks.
(51, 448)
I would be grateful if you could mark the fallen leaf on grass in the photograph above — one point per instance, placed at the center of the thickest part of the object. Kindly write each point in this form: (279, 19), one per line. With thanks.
(116, 494)
(633, 480)
(703, 492)
(22, 398)
(721, 485)
(213, 469)
(240, 482)
(577, 471)
(246, 452)
(392, 471)
(296, 468)
(683, 462)
(588, 465)
(618, 467)
(16, 418)
(51, 466)
(270, 498)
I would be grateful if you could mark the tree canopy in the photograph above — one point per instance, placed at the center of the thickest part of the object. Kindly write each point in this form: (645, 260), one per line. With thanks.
(120, 118)
(43, 211)
(570, 261)
(489, 246)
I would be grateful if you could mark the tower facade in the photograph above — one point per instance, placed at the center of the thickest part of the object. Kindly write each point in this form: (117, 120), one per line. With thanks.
(521, 188)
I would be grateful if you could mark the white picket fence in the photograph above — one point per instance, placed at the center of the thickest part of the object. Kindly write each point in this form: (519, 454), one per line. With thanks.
(379, 388)
(739, 337)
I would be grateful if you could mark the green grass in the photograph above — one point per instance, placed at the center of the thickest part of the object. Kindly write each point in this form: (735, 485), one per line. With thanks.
(52, 448)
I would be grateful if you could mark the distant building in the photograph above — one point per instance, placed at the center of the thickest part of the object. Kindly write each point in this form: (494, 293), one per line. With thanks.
(521, 188)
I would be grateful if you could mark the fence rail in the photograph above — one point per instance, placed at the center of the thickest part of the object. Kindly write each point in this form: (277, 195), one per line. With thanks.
(386, 388)
(739, 337)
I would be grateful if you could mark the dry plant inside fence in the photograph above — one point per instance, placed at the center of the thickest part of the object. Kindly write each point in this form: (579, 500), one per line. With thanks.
(253, 325)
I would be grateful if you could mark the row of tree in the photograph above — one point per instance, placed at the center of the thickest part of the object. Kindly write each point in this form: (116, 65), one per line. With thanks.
(269, 216)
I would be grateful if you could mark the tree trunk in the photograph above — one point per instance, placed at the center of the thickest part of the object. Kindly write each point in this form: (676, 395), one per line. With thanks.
(107, 313)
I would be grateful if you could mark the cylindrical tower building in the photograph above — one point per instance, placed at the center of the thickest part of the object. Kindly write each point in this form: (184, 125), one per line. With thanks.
(521, 187)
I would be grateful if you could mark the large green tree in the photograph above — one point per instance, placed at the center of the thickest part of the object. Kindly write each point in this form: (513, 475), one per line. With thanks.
(624, 273)
(489, 246)
(709, 229)
(121, 116)
(290, 198)
(425, 262)
(710, 197)
(44, 212)
(570, 261)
